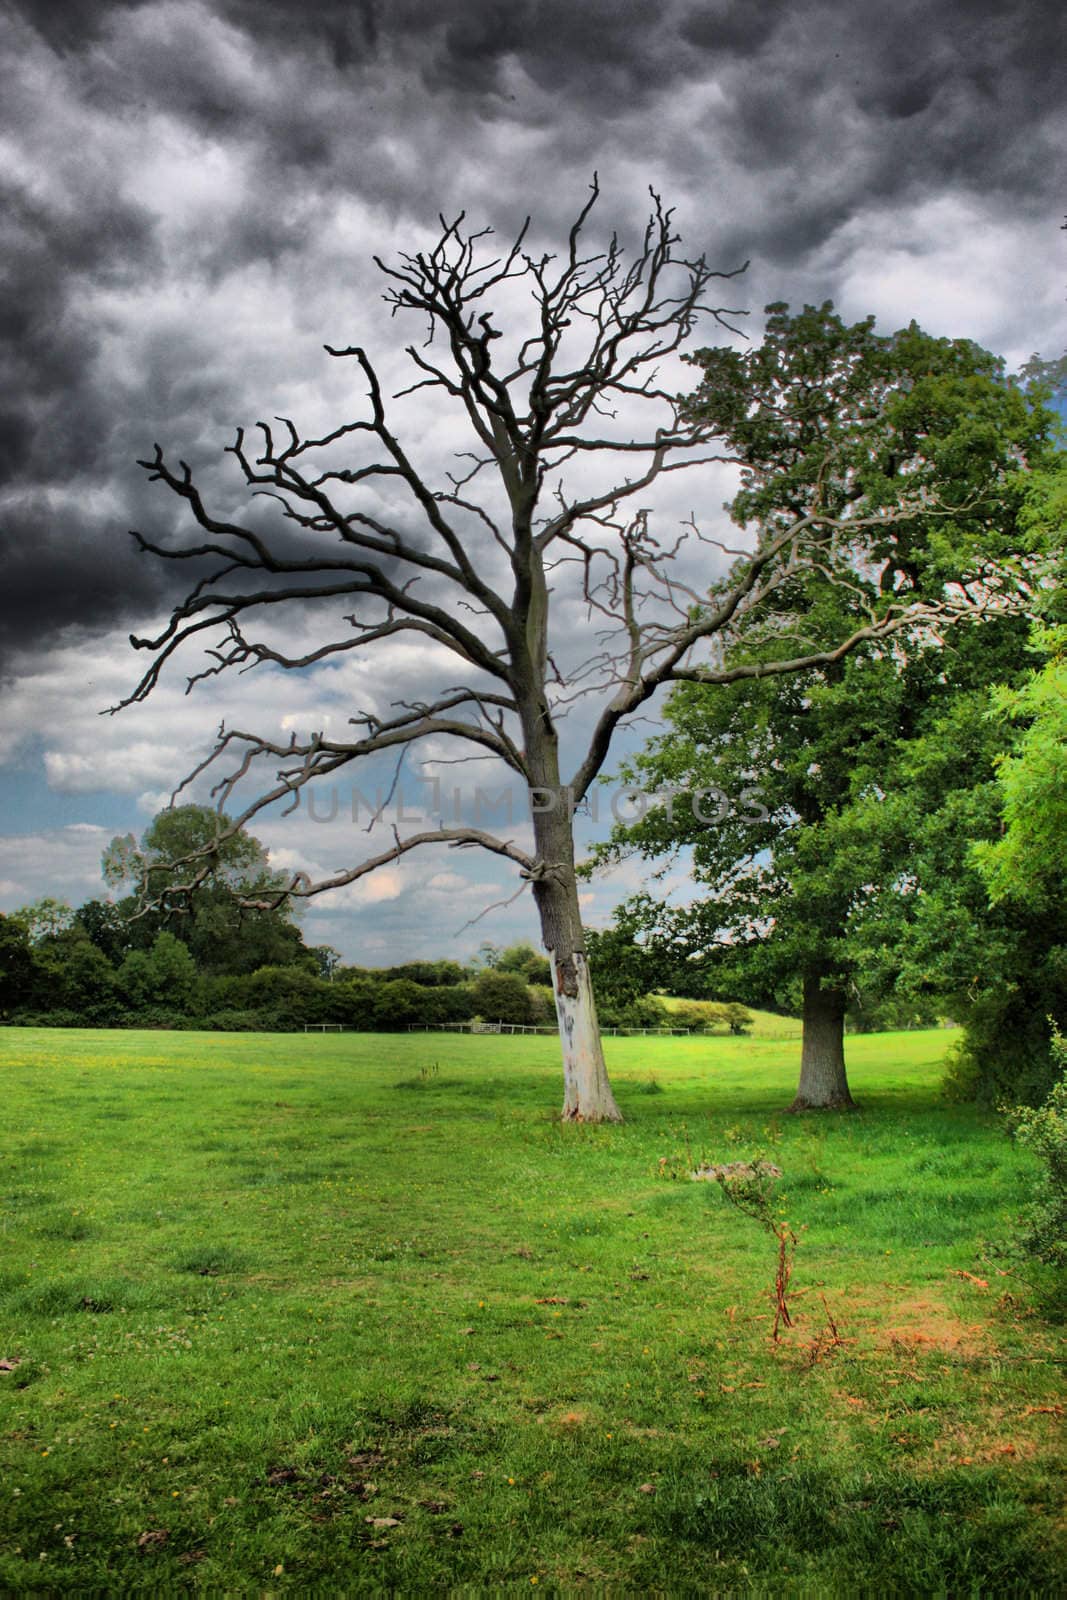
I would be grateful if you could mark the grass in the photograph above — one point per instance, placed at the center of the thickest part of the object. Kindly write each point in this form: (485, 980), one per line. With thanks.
(287, 1313)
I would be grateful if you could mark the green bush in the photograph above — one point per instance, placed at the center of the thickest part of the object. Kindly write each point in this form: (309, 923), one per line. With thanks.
(235, 1021)
(962, 1081)
(1043, 1226)
(502, 997)
(739, 1018)
(644, 1012)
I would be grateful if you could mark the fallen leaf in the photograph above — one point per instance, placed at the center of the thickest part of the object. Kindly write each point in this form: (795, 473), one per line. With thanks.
(154, 1539)
(646, 1488)
(979, 1283)
(383, 1522)
(552, 1300)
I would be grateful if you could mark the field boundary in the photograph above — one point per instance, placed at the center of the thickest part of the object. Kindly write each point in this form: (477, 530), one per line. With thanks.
(527, 1027)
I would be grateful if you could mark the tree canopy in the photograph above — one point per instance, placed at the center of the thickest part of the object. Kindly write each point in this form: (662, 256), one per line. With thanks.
(826, 408)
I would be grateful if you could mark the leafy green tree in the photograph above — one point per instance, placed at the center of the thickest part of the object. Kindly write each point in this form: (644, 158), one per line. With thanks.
(990, 929)
(502, 997)
(1028, 862)
(44, 918)
(326, 960)
(432, 974)
(623, 969)
(164, 976)
(16, 964)
(106, 927)
(222, 934)
(527, 962)
(791, 780)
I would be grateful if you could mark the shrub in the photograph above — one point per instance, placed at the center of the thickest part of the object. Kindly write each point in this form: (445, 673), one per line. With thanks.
(232, 1020)
(644, 1012)
(739, 1018)
(704, 1016)
(502, 997)
(962, 1081)
(543, 1004)
(1043, 1226)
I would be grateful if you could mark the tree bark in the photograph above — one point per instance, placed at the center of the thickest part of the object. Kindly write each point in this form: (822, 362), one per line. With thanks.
(587, 1094)
(823, 1082)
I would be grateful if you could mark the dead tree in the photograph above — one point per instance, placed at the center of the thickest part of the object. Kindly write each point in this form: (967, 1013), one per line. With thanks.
(495, 537)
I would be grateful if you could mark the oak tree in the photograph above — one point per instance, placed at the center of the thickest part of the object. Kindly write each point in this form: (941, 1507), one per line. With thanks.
(821, 404)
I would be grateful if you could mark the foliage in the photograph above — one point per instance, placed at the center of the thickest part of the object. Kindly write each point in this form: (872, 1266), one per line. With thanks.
(622, 969)
(1043, 1131)
(501, 996)
(529, 964)
(222, 934)
(1027, 862)
(165, 975)
(642, 1011)
(45, 918)
(814, 838)
(16, 962)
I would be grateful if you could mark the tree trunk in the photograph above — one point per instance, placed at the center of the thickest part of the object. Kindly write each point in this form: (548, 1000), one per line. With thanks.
(823, 1084)
(587, 1095)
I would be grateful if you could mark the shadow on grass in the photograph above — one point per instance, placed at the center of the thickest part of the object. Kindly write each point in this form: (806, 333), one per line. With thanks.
(954, 1533)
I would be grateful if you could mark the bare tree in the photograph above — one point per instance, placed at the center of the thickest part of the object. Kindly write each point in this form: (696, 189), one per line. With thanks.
(475, 580)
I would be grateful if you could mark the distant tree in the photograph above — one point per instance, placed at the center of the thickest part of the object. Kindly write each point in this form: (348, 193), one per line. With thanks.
(623, 969)
(44, 918)
(327, 960)
(106, 927)
(165, 975)
(502, 997)
(433, 974)
(221, 930)
(16, 964)
(524, 960)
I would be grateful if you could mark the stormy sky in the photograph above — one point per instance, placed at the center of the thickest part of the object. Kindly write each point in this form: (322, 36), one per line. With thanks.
(192, 194)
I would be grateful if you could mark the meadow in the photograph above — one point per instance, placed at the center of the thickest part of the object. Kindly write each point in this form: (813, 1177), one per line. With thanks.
(355, 1312)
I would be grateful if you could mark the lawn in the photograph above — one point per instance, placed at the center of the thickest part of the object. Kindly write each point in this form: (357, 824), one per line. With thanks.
(356, 1312)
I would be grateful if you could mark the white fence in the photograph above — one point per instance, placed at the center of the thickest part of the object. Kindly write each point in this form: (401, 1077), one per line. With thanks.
(504, 1027)
(525, 1027)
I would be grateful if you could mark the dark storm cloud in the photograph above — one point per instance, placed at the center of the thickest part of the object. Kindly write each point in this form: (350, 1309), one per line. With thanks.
(799, 116)
(62, 570)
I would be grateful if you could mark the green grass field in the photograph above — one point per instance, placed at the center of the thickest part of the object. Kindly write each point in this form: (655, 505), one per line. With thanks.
(356, 1312)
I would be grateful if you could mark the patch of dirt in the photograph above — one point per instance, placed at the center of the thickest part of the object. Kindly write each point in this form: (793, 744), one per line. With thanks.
(571, 1419)
(926, 1324)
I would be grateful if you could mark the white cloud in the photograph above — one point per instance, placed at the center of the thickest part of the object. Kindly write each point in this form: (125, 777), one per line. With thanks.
(64, 862)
